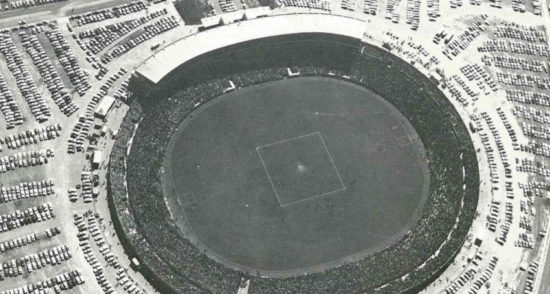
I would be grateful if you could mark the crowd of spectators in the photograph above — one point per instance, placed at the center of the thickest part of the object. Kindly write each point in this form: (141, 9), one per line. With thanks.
(174, 264)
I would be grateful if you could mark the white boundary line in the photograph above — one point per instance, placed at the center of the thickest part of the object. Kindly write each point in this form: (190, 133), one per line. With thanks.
(288, 140)
(312, 197)
(332, 160)
(268, 175)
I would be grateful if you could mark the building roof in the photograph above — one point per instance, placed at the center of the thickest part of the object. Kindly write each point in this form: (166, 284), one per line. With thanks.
(104, 106)
(169, 58)
(98, 156)
(211, 21)
(257, 12)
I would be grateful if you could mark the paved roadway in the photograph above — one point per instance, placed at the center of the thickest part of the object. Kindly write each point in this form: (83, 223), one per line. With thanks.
(48, 12)
(544, 271)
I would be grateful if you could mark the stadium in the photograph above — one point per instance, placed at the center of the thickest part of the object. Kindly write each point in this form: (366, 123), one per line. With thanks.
(274, 146)
(304, 162)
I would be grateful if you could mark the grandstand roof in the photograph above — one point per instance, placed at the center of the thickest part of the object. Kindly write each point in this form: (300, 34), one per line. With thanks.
(169, 58)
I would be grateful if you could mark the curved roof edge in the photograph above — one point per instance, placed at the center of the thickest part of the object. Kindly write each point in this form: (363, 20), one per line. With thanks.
(170, 57)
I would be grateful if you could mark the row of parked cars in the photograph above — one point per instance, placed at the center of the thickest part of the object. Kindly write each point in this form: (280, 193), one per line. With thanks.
(467, 275)
(314, 4)
(433, 10)
(523, 80)
(10, 110)
(392, 12)
(25, 3)
(62, 282)
(532, 114)
(35, 214)
(525, 241)
(78, 77)
(531, 277)
(81, 130)
(25, 159)
(462, 41)
(370, 6)
(507, 46)
(527, 97)
(88, 193)
(23, 78)
(28, 239)
(489, 151)
(509, 129)
(413, 14)
(484, 81)
(499, 143)
(516, 31)
(25, 190)
(59, 93)
(100, 15)
(518, 63)
(162, 25)
(34, 261)
(227, 5)
(30, 137)
(532, 167)
(104, 36)
(83, 235)
(535, 131)
(348, 5)
(127, 283)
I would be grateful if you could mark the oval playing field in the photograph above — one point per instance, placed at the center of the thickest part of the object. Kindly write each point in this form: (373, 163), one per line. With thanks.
(295, 176)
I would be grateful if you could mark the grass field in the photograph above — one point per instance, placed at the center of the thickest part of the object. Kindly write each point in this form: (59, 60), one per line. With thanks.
(295, 175)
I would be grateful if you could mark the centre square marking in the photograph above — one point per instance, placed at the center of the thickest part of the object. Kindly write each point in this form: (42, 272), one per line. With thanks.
(300, 169)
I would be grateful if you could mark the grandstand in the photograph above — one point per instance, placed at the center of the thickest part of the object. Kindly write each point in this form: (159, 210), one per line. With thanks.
(336, 57)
